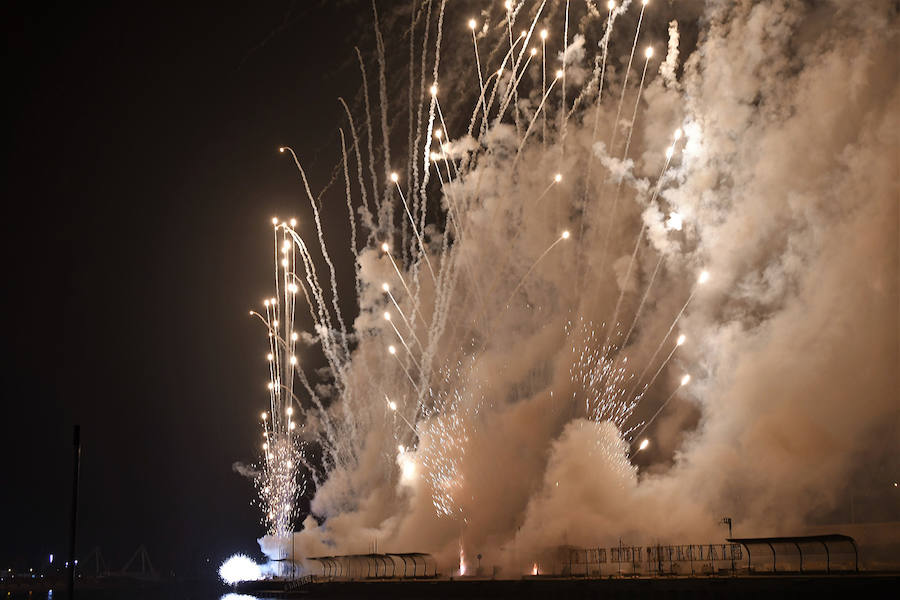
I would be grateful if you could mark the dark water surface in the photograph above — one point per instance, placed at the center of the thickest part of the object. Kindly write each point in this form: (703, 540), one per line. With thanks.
(173, 592)
(768, 587)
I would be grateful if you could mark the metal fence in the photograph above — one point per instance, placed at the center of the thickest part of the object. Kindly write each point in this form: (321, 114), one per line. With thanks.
(659, 559)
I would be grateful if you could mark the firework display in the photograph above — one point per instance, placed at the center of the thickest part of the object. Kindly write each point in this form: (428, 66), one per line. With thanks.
(532, 259)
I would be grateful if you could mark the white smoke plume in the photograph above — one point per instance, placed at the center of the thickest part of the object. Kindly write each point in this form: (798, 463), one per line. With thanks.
(530, 359)
(244, 470)
(668, 67)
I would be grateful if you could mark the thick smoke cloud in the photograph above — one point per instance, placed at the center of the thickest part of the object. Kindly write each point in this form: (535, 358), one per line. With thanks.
(784, 187)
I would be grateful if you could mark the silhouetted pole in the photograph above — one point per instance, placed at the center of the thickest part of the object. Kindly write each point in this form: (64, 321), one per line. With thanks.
(727, 521)
(75, 468)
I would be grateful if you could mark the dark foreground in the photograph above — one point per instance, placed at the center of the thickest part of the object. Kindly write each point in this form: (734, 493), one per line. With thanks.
(866, 586)
(769, 588)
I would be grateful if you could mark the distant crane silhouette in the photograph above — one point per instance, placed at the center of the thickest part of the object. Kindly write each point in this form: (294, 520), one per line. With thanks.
(146, 572)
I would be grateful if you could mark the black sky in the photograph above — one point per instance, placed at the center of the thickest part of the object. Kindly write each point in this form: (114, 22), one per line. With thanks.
(141, 174)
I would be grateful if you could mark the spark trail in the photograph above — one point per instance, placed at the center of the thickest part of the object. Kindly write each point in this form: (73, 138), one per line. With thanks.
(439, 361)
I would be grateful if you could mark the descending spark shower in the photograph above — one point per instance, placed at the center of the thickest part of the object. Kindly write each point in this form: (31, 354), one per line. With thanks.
(580, 252)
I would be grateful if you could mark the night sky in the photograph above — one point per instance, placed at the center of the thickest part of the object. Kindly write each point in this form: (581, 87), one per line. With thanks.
(142, 172)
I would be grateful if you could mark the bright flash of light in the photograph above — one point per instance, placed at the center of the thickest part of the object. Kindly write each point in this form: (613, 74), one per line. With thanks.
(392, 349)
(681, 339)
(543, 34)
(472, 24)
(387, 316)
(385, 248)
(289, 411)
(649, 52)
(534, 569)
(438, 133)
(675, 221)
(565, 234)
(407, 468)
(239, 567)
(392, 405)
(704, 277)
(557, 178)
(293, 360)
(644, 443)
(394, 177)
(385, 286)
(433, 90)
(533, 51)
(559, 73)
(678, 134)
(610, 5)
(685, 380)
